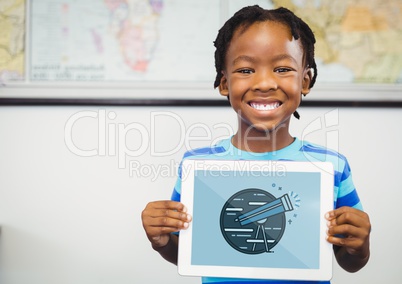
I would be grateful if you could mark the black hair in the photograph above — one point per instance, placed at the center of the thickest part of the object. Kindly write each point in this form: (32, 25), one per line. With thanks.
(247, 16)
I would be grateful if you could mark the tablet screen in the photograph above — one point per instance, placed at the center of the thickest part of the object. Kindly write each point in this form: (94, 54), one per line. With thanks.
(256, 219)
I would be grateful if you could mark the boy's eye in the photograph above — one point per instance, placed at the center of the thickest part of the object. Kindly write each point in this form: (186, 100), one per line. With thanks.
(282, 69)
(245, 71)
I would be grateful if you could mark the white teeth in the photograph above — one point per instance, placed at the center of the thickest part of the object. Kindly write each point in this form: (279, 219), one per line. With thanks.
(270, 106)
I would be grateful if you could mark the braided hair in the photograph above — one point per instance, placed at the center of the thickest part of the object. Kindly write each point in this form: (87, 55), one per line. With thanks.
(247, 16)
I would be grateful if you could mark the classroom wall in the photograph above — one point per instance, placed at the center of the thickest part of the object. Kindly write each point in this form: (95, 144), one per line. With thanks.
(74, 180)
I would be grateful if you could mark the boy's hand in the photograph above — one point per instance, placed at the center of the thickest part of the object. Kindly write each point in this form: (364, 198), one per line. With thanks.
(160, 218)
(354, 227)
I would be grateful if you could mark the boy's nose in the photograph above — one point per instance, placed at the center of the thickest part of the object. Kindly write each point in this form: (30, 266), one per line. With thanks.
(264, 82)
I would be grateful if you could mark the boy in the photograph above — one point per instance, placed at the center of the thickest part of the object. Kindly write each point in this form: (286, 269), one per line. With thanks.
(265, 62)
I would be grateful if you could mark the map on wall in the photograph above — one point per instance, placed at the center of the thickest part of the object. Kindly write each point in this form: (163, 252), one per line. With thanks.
(123, 40)
(358, 41)
(12, 33)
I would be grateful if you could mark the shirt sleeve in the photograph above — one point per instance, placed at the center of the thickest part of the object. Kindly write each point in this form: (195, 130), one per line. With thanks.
(345, 191)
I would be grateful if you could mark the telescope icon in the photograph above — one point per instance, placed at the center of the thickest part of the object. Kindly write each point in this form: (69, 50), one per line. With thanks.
(253, 220)
(260, 214)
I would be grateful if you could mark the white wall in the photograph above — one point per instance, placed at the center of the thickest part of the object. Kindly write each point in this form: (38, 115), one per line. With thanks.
(69, 219)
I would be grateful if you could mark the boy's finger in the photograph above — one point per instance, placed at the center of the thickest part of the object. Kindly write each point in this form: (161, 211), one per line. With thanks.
(345, 230)
(344, 210)
(354, 217)
(169, 204)
(159, 226)
(173, 214)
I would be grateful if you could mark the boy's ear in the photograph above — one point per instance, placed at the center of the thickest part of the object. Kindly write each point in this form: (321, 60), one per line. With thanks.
(308, 75)
(223, 86)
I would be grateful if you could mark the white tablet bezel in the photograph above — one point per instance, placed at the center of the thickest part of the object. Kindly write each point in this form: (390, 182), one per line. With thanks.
(323, 273)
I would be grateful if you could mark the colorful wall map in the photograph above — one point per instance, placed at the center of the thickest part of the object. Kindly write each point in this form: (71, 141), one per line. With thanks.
(123, 40)
(12, 34)
(358, 41)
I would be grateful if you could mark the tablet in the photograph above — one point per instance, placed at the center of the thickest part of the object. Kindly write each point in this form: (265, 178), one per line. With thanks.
(256, 219)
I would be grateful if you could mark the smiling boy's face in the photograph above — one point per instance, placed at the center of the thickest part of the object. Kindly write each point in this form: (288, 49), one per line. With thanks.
(264, 76)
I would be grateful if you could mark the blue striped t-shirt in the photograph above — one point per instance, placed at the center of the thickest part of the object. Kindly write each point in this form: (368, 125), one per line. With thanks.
(344, 191)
